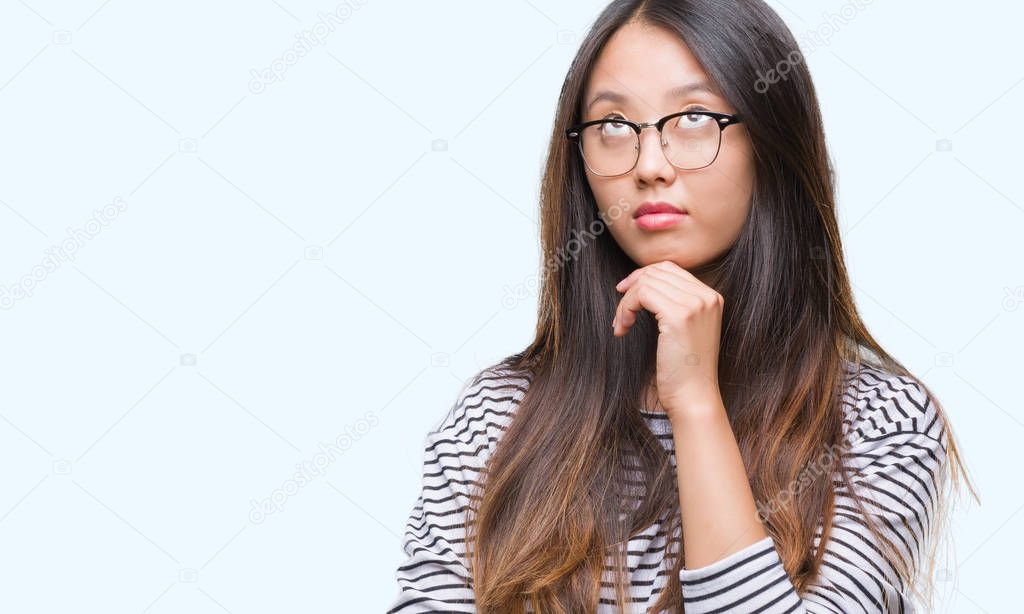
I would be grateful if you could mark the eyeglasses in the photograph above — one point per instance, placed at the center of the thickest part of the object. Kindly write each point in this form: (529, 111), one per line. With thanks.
(690, 139)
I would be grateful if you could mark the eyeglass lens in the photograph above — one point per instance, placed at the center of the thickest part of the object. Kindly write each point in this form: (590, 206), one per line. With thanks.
(612, 148)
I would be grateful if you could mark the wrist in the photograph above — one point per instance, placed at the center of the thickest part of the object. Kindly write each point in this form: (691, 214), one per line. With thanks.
(696, 408)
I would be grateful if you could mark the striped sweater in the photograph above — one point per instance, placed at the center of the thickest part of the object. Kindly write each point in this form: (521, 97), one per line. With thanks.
(897, 447)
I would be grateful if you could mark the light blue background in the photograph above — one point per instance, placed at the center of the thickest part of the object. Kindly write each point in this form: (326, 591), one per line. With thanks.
(326, 257)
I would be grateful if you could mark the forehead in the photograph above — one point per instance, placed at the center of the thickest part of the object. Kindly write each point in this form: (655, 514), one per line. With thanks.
(646, 67)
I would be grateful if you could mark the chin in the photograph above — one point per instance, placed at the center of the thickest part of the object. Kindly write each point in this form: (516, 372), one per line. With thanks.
(683, 260)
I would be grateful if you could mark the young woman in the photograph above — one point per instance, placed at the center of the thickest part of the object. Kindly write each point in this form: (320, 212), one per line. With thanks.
(702, 423)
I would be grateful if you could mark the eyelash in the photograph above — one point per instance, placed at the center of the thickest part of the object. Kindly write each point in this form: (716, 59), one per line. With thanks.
(692, 108)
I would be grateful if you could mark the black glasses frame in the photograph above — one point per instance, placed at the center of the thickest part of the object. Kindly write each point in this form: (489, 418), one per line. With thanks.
(722, 120)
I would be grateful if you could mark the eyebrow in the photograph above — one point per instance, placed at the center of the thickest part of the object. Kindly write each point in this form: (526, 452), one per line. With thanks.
(676, 92)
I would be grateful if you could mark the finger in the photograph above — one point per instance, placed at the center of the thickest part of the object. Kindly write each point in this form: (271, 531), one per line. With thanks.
(653, 295)
(626, 281)
(699, 294)
(671, 267)
(665, 266)
(677, 289)
(678, 281)
(705, 296)
(653, 298)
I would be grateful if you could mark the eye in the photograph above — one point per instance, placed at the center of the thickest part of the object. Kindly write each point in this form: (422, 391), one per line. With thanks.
(615, 128)
(693, 120)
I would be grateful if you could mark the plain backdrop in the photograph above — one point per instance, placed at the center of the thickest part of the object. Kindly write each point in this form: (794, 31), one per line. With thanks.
(239, 283)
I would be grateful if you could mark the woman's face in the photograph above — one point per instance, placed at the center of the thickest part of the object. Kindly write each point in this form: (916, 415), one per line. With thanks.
(640, 64)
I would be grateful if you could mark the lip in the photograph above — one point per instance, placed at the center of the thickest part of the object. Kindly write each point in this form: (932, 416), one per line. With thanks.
(648, 207)
(657, 215)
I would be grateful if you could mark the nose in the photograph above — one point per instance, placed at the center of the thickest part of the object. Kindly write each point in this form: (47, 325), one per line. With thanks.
(652, 163)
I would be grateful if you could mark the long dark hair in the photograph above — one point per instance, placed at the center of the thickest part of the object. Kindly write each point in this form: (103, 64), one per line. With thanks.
(556, 493)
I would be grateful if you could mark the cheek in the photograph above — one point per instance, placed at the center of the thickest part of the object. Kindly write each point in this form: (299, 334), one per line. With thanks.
(615, 220)
(727, 208)
(611, 202)
(724, 198)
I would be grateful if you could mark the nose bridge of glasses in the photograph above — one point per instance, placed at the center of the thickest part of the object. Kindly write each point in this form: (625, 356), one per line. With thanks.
(658, 134)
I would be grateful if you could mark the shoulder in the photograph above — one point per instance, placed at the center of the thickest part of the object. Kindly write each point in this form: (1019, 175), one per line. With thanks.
(878, 404)
(898, 465)
(480, 414)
